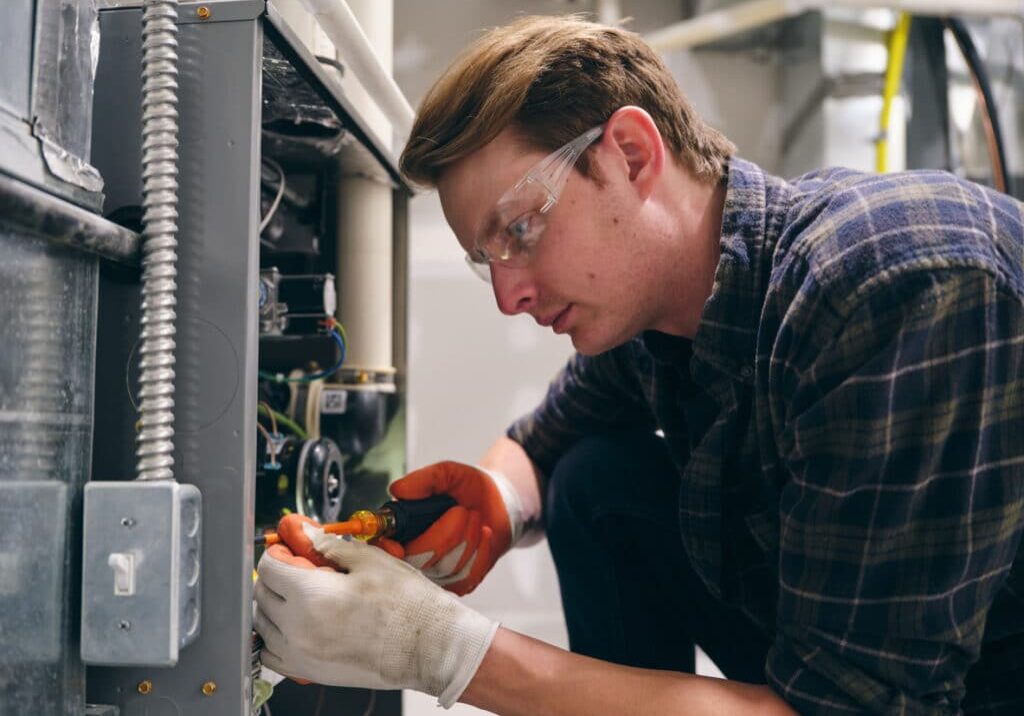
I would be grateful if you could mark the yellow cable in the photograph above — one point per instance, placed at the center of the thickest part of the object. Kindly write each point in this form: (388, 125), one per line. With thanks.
(897, 47)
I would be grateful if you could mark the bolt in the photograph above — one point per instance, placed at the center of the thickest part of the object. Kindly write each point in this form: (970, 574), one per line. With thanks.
(203, 12)
(209, 688)
(145, 687)
(124, 625)
(127, 522)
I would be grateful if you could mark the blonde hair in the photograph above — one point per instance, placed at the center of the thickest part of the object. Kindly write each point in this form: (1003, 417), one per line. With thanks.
(551, 79)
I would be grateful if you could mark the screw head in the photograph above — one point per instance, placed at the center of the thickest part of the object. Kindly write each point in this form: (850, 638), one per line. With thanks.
(124, 625)
(145, 687)
(203, 12)
(209, 688)
(128, 522)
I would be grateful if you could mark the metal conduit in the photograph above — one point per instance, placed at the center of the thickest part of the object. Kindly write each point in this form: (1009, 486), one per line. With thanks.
(155, 445)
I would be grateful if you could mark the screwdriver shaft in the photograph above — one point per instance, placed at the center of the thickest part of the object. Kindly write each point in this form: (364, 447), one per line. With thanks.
(349, 527)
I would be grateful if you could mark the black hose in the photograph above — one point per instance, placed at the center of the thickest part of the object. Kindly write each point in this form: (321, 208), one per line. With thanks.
(977, 67)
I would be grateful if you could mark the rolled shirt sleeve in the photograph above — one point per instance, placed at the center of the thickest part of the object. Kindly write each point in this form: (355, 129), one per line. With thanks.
(904, 509)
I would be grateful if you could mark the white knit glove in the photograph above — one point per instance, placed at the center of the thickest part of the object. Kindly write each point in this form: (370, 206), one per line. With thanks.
(377, 623)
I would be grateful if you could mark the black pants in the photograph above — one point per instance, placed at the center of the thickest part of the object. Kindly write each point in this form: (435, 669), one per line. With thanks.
(629, 593)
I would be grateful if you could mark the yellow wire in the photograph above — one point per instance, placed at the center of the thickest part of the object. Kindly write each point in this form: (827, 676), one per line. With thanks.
(897, 46)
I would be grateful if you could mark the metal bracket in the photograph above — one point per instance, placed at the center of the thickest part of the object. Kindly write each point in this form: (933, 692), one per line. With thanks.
(209, 11)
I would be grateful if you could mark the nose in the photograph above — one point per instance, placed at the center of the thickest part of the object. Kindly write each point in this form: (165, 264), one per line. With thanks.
(514, 290)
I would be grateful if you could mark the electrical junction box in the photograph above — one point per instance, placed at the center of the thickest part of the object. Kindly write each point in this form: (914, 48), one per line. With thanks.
(140, 572)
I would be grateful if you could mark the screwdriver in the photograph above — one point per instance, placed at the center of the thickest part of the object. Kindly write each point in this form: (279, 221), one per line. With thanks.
(401, 520)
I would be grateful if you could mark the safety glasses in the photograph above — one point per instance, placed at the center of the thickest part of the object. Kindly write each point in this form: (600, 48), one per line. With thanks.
(520, 216)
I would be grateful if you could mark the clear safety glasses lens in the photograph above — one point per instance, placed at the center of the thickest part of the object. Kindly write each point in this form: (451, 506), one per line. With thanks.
(533, 195)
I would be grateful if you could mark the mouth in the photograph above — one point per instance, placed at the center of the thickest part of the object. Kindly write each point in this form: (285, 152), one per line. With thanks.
(551, 318)
(561, 322)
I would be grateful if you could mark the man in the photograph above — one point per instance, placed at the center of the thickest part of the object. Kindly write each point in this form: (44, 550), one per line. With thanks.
(792, 432)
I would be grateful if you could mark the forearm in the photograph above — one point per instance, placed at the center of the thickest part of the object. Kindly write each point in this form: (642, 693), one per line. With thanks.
(521, 676)
(508, 457)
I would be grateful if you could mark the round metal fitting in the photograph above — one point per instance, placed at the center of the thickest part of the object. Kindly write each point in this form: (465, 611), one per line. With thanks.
(203, 12)
(145, 687)
(209, 688)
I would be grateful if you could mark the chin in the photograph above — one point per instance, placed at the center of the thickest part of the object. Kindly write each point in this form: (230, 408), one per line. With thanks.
(591, 345)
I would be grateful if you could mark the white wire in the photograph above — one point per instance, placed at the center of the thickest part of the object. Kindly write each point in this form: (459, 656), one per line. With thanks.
(372, 703)
(280, 193)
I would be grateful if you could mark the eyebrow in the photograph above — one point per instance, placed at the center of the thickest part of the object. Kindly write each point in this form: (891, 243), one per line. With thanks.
(490, 225)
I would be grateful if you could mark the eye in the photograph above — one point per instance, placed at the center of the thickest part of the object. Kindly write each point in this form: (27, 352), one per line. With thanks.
(518, 228)
(524, 231)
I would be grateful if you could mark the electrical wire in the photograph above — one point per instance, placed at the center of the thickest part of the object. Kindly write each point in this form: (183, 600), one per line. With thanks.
(371, 704)
(277, 199)
(314, 393)
(982, 85)
(270, 411)
(320, 701)
(897, 46)
(286, 422)
(339, 338)
(270, 443)
(331, 62)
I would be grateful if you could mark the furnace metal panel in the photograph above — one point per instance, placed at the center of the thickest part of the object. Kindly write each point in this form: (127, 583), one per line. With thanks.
(219, 108)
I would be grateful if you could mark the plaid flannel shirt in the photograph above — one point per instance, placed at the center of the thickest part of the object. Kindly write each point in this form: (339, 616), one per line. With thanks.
(848, 428)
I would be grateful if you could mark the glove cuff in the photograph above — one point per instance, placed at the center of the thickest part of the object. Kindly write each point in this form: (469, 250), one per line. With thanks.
(520, 523)
(465, 656)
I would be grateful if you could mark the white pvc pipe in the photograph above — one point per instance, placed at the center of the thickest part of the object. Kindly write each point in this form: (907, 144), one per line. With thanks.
(940, 7)
(609, 12)
(720, 24)
(356, 51)
(365, 231)
(364, 272)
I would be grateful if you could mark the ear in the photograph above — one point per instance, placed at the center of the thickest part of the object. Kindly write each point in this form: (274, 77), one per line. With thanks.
(635, 138)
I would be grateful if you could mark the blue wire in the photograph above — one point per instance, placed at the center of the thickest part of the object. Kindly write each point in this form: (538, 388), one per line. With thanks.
(280, 378)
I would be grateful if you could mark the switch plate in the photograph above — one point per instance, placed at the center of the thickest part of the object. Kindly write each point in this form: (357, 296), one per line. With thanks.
(140, 572)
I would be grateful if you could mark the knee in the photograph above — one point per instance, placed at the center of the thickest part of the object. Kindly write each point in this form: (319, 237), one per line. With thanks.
(571, 495)
(598, 474)
(619, 473)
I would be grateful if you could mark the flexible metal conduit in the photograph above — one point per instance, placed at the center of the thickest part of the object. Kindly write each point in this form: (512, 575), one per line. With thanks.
(155, 445)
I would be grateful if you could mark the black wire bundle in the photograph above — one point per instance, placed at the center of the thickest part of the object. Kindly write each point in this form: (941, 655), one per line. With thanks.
(977, 69)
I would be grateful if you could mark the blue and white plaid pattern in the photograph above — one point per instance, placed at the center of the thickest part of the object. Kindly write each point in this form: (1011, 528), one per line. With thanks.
(848, 425)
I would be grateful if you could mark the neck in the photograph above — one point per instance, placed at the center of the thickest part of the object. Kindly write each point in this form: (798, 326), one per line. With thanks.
(695, 236)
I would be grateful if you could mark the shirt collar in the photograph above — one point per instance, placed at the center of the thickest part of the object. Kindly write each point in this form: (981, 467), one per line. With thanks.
(755, 209)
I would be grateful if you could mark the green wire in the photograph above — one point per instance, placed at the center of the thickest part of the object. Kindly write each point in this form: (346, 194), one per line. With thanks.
(285, 421)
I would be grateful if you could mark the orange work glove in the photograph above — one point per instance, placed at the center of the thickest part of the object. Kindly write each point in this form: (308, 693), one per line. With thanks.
(289, 529)
(462, 546)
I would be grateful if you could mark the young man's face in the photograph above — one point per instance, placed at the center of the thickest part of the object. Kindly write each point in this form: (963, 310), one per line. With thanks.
(586, 275)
